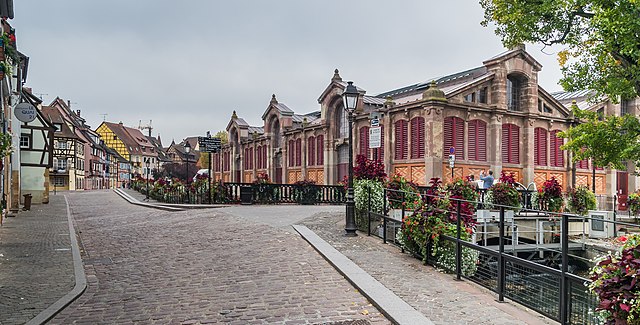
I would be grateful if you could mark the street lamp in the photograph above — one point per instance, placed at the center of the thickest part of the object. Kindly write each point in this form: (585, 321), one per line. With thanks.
(147, 161)
(187, 149)
(350, 95)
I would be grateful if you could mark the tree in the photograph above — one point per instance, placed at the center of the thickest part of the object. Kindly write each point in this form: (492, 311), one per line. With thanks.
(607, 140)
(600, 38)
(224, 137)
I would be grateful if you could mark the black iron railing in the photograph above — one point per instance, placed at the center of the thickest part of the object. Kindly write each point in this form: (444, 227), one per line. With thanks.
(551, 291)
(233, 193)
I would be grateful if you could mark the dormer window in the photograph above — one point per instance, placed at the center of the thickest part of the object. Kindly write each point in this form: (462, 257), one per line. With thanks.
(482, 95)
(58, 126)
(470, 98)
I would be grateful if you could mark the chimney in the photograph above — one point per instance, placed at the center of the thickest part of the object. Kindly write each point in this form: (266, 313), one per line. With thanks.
(78, 112)
(69, 103)
(120, 123)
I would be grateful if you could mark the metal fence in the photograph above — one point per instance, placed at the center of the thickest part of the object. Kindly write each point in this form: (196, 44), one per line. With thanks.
(550, 290)
(233, 193)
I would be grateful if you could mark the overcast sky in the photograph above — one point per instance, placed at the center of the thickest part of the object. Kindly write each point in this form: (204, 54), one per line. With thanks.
(187, 65)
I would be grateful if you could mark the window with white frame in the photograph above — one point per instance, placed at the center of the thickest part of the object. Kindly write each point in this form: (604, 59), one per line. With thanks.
(61, 164)
(25, 141)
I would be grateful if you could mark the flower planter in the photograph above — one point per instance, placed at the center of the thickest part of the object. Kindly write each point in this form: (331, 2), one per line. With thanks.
(493, 216)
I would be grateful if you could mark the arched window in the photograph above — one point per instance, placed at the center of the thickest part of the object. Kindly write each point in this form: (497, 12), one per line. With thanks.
(417, 137)
(557, 154)
(264, 156)
(342, 122)
(363, 146)
(320, 150)
(259, 157)
(401, 140)
(275, 131)
(477, 140)
(454, 136)
(540, 147)
(311, 151)
(510, 144)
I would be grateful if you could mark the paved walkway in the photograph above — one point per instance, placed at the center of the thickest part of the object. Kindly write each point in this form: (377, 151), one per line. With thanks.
(233, 265)
(36, 264)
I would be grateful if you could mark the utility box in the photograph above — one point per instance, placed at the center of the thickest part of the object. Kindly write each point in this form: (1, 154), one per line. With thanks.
(601, 224)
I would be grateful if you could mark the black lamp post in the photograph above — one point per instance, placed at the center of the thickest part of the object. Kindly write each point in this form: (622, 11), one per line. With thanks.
(147, 161)
(187, 149)
(350, 95)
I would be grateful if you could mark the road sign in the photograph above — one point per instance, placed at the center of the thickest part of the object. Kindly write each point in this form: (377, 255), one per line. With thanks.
(209, 144)
(375, 122)
(375, 137)
(452, 160)
(452, 150)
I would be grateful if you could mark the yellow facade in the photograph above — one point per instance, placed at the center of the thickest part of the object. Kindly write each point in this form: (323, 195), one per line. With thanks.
(112, 141)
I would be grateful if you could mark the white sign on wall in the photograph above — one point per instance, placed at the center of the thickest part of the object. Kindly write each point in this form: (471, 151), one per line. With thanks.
(25, 112)
(375, 137)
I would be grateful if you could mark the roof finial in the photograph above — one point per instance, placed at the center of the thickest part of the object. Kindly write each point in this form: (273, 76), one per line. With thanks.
(273, 99)
(434, 93)
(234, 115)
(336, 75)
(389, 102)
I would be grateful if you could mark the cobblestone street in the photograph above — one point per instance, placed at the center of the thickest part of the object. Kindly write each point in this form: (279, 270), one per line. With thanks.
(147, 266)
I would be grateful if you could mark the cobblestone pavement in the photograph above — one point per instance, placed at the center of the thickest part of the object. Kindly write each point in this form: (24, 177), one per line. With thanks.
(438, 296)
(36, 265)
(146, 266)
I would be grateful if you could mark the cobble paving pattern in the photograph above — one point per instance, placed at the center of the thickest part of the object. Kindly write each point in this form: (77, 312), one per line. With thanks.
(438, 296)
(146, 266)
(36, 265)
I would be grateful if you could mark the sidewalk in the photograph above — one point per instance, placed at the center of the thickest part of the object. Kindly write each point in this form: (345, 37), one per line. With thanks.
(436, 295)
(36, 262)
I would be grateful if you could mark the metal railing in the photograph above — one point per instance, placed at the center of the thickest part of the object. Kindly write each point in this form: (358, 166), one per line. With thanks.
(233, 193)
(552, 291)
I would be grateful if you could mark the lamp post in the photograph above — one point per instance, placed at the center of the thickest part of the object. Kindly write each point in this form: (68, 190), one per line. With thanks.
(350, 95)
(187, 149)
(147, 161)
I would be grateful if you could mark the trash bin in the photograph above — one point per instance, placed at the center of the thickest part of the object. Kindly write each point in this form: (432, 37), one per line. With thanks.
(245, 194)
(27, 202)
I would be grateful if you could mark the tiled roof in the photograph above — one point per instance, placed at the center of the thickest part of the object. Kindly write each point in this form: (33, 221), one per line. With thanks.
(120, 131)
(256, 129)
(570, 95)
(283, 108)
(54, 115)
(240, 121)
(373, 100)
(441, 82)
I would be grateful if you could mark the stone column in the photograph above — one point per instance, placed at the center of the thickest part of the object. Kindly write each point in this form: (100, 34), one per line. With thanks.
(494, 144)
(528, 150)
(434, 140)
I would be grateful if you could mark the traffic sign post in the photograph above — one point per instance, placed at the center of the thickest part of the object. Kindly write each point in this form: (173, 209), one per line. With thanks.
(375, 137)
(452, 162)
(209, 144)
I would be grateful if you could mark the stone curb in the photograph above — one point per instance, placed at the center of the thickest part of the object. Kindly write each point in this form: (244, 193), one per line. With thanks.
(78, 270)
(132, 200)
(396, 309)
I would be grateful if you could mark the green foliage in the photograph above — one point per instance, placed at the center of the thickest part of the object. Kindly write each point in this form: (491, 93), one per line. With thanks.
(580, 200)
(5, 145)
(503, 193)
(402, 193)
(614, 281)
(606, 140)
(361, 188)
(600, 39)
(223, 135)
(634, 203)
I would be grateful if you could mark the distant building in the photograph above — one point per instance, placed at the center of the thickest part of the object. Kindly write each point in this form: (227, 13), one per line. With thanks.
(131, 144)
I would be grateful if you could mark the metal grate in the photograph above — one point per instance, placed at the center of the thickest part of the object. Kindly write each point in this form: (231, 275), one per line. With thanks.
(582, 304)
(536, 290)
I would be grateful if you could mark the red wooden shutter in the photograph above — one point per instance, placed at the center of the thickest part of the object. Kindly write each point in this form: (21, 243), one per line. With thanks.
(540, 147)
(245, 159)
(459, 137)
(453, 136)
(448, 136)
(264, 156)
(291, 153)
(252, 158)
(557, 154)
(417, 137)
(477, 140)
(299, 152)
(311, 151)
(320, 150)
(364, 141)
(400, 144)
(510, 144)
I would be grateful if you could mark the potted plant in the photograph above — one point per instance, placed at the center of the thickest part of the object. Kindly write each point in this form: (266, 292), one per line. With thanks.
(6, 147)
(580, 200)
(549, 196)
(401, 195)
(501, 194)
(466, 193)
(369, 178)
(633, 203)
